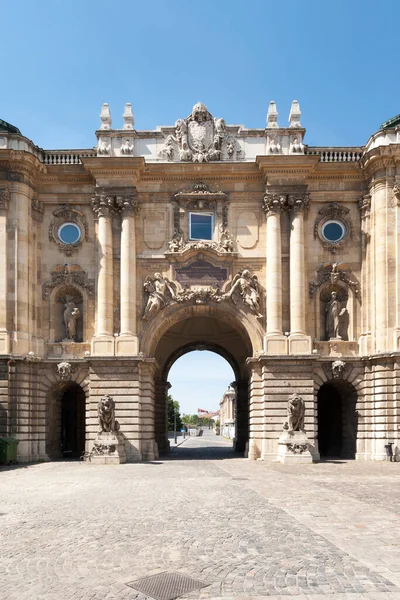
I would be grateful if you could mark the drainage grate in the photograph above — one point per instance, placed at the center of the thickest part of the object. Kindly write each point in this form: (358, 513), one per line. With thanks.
(166, 586)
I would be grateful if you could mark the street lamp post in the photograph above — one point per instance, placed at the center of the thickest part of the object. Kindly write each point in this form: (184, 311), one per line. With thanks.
(175, 425)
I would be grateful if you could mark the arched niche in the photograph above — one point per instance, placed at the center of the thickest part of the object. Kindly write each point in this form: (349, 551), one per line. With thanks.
(348, 304)
(60, 295)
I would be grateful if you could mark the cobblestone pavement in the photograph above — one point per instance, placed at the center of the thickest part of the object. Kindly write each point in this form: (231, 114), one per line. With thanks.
(249, 529)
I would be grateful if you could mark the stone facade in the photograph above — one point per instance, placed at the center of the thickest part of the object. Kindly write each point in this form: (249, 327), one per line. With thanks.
(282, 257)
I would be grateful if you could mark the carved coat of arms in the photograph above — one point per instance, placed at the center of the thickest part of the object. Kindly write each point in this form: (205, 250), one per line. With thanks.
(200, 138)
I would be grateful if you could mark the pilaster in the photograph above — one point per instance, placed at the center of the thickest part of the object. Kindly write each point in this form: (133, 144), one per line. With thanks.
(4, 333)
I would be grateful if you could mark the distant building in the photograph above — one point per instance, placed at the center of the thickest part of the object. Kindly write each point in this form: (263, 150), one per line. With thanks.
(281, 257)
(227, 413)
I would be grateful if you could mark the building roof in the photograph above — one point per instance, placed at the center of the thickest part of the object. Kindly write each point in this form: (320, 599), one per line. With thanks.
(4, 126)
(393, 122)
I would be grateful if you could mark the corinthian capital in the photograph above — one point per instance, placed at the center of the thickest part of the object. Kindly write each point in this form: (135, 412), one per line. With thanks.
(128, 204)
(273, 203)
(4, 198)
(298, 202)
(102, 205)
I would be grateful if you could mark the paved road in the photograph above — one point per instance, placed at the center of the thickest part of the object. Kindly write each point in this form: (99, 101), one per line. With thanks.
(249, 529)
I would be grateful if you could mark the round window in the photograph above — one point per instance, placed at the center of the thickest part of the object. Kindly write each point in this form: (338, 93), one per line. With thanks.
(69, 233)
(333, 231)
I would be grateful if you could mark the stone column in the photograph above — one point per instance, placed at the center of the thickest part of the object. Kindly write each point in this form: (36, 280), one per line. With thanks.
(103, 340)
(299, 342)
(19, 221)
(274, 342)
(381, 267)
(4, 333)
(127, 342)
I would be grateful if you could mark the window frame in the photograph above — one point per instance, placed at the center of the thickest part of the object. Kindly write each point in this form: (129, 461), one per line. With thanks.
(61, 227)
(204, 214)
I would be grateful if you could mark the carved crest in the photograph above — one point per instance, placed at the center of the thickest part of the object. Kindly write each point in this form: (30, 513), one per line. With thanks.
(65, 370)
(200, 138)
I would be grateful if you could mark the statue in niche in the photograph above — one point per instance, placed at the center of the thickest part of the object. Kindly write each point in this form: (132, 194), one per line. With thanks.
(333, 312)
(106, 415)
(246, 285)
(295, 410)
(71, 315)
(160, 292)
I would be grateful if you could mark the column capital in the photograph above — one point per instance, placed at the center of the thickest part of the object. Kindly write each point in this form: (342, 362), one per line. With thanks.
(128, 204)
(103, 205)
(273, 203)
(298, 202)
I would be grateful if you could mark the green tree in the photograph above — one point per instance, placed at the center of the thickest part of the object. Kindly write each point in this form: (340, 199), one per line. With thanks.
(173, 405)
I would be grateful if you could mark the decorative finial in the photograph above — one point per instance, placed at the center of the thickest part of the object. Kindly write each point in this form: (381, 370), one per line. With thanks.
(105, 117)
(295, 114)
(272, 116)
(129, 120)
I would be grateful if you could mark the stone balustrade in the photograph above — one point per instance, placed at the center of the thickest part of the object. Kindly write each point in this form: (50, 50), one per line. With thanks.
(345, 154)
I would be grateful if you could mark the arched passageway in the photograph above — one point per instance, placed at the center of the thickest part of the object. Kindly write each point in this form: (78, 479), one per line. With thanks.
(203, 332)
(66, 422)
(337, 420)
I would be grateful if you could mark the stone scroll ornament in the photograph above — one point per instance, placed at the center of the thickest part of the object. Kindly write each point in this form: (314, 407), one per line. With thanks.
(295, 413)
(200, 138)
(160, 291)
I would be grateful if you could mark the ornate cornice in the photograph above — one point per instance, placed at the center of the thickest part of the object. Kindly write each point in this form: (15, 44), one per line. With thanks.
(199, 197)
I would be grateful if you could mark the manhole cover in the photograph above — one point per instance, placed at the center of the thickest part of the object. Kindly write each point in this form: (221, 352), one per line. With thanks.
(166, 586)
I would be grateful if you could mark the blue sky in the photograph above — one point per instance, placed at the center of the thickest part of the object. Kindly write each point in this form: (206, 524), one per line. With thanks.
(199, 380)
(63, 59)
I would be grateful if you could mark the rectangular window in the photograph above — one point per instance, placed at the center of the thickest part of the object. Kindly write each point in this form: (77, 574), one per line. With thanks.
(200, 226)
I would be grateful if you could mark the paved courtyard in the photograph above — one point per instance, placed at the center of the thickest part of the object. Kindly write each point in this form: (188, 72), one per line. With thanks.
(247, 529)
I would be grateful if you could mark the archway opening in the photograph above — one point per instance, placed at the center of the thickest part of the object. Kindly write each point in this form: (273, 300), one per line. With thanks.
(337, 420)
(201, 385)
(72, 422)
(206, 332)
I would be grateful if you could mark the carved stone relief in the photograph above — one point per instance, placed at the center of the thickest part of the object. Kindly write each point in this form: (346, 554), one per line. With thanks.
(332, 273)
(4, 198)
(68, 275)
(200, 138)
(243, 291)
(37, 209)
(338, 367)
(65, 370)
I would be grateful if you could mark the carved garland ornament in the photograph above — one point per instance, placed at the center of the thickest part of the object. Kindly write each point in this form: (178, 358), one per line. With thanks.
(200, 138)
(64, 215)
(4, 198)
(160, 292)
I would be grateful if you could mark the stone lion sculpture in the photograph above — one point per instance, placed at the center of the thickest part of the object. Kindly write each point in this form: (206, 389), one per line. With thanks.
(295, 411)
(106, 415)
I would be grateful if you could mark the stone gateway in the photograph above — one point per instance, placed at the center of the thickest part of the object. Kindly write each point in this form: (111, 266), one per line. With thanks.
(280, 256)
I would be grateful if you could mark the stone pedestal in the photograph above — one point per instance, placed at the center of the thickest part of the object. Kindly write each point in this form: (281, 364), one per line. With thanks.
(293, 448)
(108, 449)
